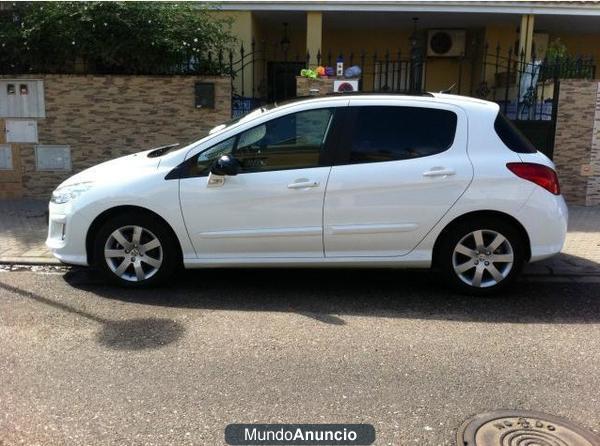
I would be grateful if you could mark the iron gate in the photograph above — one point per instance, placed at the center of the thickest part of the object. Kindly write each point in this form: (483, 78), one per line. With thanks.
(528, 91)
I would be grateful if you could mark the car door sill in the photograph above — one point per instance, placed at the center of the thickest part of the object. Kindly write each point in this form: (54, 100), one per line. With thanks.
(409, 261)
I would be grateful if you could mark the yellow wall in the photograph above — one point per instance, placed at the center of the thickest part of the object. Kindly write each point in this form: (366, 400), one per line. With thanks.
(242, 28)
(582, 45)
(440, 73)
(504, 37)
(268, 48)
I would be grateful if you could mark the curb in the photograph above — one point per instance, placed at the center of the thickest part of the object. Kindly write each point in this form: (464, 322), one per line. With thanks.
(533, 276)
(34, 261)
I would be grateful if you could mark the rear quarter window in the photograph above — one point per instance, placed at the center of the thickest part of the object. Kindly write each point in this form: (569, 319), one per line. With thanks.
(390, 133)
(511, 136)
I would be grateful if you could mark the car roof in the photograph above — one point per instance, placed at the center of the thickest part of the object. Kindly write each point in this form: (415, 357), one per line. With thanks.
(466, 102)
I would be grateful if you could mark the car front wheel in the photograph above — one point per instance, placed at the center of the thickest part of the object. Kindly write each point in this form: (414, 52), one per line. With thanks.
(135, 250)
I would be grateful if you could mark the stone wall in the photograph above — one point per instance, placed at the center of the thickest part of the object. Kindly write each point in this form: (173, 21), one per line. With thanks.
(577, 141)
(319, 86)
(103, 117)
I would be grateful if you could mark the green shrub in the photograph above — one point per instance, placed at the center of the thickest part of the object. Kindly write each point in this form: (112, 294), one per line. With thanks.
(120, 37)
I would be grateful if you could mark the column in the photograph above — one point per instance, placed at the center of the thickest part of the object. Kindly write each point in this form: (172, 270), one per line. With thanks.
(526, 36)
(314, 35)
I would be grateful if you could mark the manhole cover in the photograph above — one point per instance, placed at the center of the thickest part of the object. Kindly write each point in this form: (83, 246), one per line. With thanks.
(523, 428)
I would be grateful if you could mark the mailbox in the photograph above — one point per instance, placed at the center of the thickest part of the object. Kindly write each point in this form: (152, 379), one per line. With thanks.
(204, 95)
(22, 98)
(21, 130)
(6, 162)
(52, 157)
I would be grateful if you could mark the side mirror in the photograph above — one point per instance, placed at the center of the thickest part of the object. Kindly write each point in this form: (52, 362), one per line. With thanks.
(226, 165)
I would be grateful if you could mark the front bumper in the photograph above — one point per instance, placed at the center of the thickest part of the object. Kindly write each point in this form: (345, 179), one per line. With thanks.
(66, 234)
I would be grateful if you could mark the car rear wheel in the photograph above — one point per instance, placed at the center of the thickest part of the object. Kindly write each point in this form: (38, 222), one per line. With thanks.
(481, 256)
(135, 250)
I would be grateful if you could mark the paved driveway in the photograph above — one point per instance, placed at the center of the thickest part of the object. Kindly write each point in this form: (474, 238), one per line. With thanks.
(83, 363)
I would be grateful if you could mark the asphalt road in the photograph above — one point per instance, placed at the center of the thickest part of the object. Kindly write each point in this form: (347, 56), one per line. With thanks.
(84, 363)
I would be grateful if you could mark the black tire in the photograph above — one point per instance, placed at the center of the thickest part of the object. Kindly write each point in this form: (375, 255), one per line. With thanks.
(461, 232)
(152, 227)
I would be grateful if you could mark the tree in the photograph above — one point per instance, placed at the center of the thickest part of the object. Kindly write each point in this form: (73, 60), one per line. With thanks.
(115, 37)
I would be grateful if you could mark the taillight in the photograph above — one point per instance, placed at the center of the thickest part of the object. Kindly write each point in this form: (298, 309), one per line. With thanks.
(539, 174)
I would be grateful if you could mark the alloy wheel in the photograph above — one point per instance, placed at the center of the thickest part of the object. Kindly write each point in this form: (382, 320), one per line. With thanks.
(483, 258)
(133, 253)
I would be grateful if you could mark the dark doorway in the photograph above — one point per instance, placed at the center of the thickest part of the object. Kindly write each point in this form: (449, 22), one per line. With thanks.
(281, 78)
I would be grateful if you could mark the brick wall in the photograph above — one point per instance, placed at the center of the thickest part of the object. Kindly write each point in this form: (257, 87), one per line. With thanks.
(10, 180)
(103, 117)
(577, 141)
(593, 186)
(305, 85)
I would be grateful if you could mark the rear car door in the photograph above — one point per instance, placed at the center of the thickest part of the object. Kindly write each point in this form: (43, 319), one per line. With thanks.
(400, 168)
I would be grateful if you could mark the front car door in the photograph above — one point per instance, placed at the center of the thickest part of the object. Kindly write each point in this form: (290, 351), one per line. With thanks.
(402, 165)
(274, 207)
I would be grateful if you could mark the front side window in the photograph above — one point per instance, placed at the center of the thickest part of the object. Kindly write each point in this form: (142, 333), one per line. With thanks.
(204, 160)
(293, 141)
(390, 133)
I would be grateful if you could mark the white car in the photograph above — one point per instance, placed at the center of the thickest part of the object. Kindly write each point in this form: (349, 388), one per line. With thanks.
(349, 180)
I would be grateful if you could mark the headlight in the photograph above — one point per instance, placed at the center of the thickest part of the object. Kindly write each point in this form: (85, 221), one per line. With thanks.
(67, 193)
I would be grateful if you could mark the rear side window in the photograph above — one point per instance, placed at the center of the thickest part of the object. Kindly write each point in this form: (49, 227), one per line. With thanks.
(511, 136)
(388, 133)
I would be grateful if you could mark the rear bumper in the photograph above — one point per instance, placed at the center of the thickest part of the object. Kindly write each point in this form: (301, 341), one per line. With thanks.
(545, 217)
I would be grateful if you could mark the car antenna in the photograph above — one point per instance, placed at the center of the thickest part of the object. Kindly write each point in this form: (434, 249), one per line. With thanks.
(449, 89)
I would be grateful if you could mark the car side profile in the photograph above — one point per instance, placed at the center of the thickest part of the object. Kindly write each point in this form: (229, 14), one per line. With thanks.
(424, 181)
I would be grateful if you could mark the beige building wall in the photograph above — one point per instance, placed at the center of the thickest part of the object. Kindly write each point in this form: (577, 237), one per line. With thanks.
(577, 141)
(104, 117)
(242, 27)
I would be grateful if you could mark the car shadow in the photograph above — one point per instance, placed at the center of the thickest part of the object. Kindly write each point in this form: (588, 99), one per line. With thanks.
(567, 264)
(139, 333)
(327, 295)
(126, 334)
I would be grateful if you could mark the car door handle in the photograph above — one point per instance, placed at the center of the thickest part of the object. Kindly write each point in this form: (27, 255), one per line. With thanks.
(303, 184)
(439, 172)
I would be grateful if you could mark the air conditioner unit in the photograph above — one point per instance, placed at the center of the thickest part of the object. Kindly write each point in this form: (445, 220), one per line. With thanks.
(446, 42)
(345, 86)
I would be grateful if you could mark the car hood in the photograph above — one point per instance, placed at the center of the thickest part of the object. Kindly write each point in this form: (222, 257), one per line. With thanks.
(129, 165)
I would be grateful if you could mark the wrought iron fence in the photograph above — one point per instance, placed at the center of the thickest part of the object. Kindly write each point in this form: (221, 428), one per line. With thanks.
(527, 88)
(384, 71)
(266, 73)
